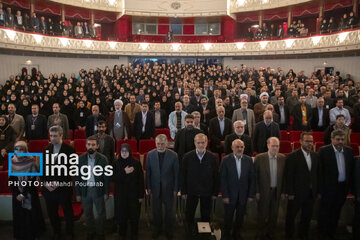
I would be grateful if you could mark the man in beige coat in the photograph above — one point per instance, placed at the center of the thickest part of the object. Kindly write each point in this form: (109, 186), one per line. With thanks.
(246, 115)
(269, 167)
(16, 121)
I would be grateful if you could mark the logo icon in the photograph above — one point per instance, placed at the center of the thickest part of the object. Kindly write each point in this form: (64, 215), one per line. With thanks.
(11, 155)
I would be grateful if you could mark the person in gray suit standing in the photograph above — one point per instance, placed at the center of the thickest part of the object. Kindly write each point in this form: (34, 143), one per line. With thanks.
(237, 174)
(162, 181)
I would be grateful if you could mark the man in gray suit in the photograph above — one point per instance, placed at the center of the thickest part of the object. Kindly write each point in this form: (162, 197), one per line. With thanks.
(269, 168)
(162, 171)
(246, 115)
(237, 175)
(59, 119)
(16, 121)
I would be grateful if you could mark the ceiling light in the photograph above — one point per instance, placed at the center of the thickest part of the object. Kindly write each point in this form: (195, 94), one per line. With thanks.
(263, 44)
(64, 41)
(112, 2)
(342, 36)
(265, 1)
(28, 62)
(240, 2)
(112, 44)
(38, 38)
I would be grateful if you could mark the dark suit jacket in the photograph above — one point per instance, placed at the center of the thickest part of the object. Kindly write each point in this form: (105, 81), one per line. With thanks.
(109, 148)
(67, 150)
(90, 124)
(215, 134)
(184, 141)
(297, 113)
(200, 179)
(164, 123)
(315, 119)
(299, 180)
(100, 160)
(356, 188)
(329, 170)
(195, 102)
(259, 136)
(149, 126)
(40, 131)
(245, 138)
(286, 110)
(231, 186)
(165, 181)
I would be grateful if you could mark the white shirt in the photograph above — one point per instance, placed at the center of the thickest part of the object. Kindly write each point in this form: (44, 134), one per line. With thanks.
(144, 115)
(307, 158)
(91, 163)
(340, 161)
(238, 165)
(200, 156)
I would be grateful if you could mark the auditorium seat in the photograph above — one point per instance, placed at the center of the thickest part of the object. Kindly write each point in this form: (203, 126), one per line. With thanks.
(285, 147)
(71, 134)
(131, 142)
(284, 136)
(146, 145)
(144, 161)
(37, 146)
(318, 136)
(79, 134)
(296, 146)
(355, 148)
(80, 145)
(136, 155)
(165, 131)
(67, 141)
(294, 136)
(355, 138)
(318, 145)
(4, 188)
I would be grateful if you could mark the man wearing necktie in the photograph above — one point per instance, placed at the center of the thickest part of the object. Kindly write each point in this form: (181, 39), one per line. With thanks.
(237, 174)
(144, 123)
(336, 161)
(301, 181)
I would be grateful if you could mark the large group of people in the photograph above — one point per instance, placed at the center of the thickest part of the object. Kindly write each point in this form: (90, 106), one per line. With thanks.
(238, 111)
(32, 23)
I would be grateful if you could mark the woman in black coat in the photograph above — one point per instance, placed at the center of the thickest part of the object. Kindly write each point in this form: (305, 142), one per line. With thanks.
(7, 138)
(28, 221)
(129, 191)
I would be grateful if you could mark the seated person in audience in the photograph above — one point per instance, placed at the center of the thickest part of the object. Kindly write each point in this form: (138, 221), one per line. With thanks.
(184, 139)
(159, 115)
(219, 127)
(119, 126)
(7, 138)
(36, 124)
(320, 120)
(239, 133)
(339, 124)
(339, 109)
(59, 119)
(106, 142)
(176, 119)
(263, 130)
(144, 123)
(91, 121)
(19, 21)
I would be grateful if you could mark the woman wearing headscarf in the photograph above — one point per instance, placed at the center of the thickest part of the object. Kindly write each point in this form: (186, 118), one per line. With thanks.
(28, 221)
(68, 109)
(7, 138)
(129, 191)
(24, 108)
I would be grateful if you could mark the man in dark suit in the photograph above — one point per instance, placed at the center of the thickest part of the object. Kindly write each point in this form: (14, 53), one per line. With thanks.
(199, 181)
(269, 168)
(106, 142)
(184, 139)
(91, 121)
(160, 117)
(219, 127)
(196, 99)
(206, 90)
(302, 180)
(162, 175)
(320, 120)
(336, 161)
(283, 111)
(90, 192)
(237, 175)
(263, 130)
(36, 124)
(54, 195)
(356, 182)
(239, 133)
(144, 124)
(302, 113)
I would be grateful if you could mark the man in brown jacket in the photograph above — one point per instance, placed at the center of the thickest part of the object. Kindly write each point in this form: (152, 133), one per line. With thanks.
(269, 167)
(259, 108)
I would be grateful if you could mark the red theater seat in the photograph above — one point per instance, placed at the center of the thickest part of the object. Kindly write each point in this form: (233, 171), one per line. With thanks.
(318, 136)
(131, 142)
(79, 134)
(294, 136)
(136, 155)
(318, 145)
(67, 141)
(80, 145)
(165, 131)
(297, 145)
(4, 188)
(284, 136)
(37, 146)
(355, 148)
(355, 138)
(146, 145)
(144, 162)
(285, 147)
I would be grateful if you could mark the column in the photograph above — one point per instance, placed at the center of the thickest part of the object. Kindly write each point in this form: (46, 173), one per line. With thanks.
(32, 6)
(355, 7)
(321, 15)
(63, 13)
(92, 17)
(289, 21)
(261, 16)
